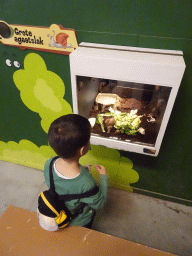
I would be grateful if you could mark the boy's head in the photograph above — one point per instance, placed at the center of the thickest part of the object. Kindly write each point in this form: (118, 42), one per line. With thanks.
(68, 134)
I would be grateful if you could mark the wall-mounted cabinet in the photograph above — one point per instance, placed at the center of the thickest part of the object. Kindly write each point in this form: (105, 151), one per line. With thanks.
(126, 92)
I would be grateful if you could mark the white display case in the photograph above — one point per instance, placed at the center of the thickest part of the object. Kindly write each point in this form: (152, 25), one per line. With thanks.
(126, 92)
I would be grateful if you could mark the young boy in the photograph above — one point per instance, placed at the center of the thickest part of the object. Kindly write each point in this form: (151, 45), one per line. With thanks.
(69, 136)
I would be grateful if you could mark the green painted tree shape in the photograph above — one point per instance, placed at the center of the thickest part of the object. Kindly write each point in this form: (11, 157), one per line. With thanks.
(120, 169)
(41, 90)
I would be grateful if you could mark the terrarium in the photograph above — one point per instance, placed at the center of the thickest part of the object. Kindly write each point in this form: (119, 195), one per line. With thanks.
(126, 93)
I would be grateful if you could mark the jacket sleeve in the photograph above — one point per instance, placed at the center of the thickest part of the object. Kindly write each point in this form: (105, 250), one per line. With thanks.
(98, 200)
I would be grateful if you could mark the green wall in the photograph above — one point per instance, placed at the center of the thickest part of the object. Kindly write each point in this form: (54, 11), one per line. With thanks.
(151, 24)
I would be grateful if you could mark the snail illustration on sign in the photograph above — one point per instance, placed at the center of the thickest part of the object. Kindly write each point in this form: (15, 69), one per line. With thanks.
(61, 40)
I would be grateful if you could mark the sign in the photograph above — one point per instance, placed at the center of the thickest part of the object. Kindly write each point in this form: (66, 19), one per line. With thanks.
(54, 39)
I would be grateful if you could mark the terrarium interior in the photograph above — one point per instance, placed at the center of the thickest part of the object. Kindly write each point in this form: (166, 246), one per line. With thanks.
(120, 110)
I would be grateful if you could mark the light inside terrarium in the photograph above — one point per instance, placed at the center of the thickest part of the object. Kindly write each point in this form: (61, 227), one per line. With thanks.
(123, 111)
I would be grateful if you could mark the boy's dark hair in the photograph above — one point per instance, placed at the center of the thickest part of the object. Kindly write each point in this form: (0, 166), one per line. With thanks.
(68, 134)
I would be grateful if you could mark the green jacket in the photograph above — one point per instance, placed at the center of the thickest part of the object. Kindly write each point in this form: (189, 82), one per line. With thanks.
(82, 183)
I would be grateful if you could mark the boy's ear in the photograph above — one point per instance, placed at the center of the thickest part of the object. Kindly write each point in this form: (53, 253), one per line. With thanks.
(82, 151)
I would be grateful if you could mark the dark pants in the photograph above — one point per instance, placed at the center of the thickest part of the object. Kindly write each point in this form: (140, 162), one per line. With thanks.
(89, 225)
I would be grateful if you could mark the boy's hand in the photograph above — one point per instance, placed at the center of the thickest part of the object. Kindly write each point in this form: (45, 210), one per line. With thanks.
(101, 169)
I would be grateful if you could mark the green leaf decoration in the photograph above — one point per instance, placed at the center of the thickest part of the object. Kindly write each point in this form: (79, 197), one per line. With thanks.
(41, 90)
(119, 169)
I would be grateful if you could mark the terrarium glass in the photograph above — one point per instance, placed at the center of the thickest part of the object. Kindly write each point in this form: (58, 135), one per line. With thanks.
(124, 111)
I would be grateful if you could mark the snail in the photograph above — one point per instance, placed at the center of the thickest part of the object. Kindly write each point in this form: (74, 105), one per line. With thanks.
(61, 40)
(109, 123)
